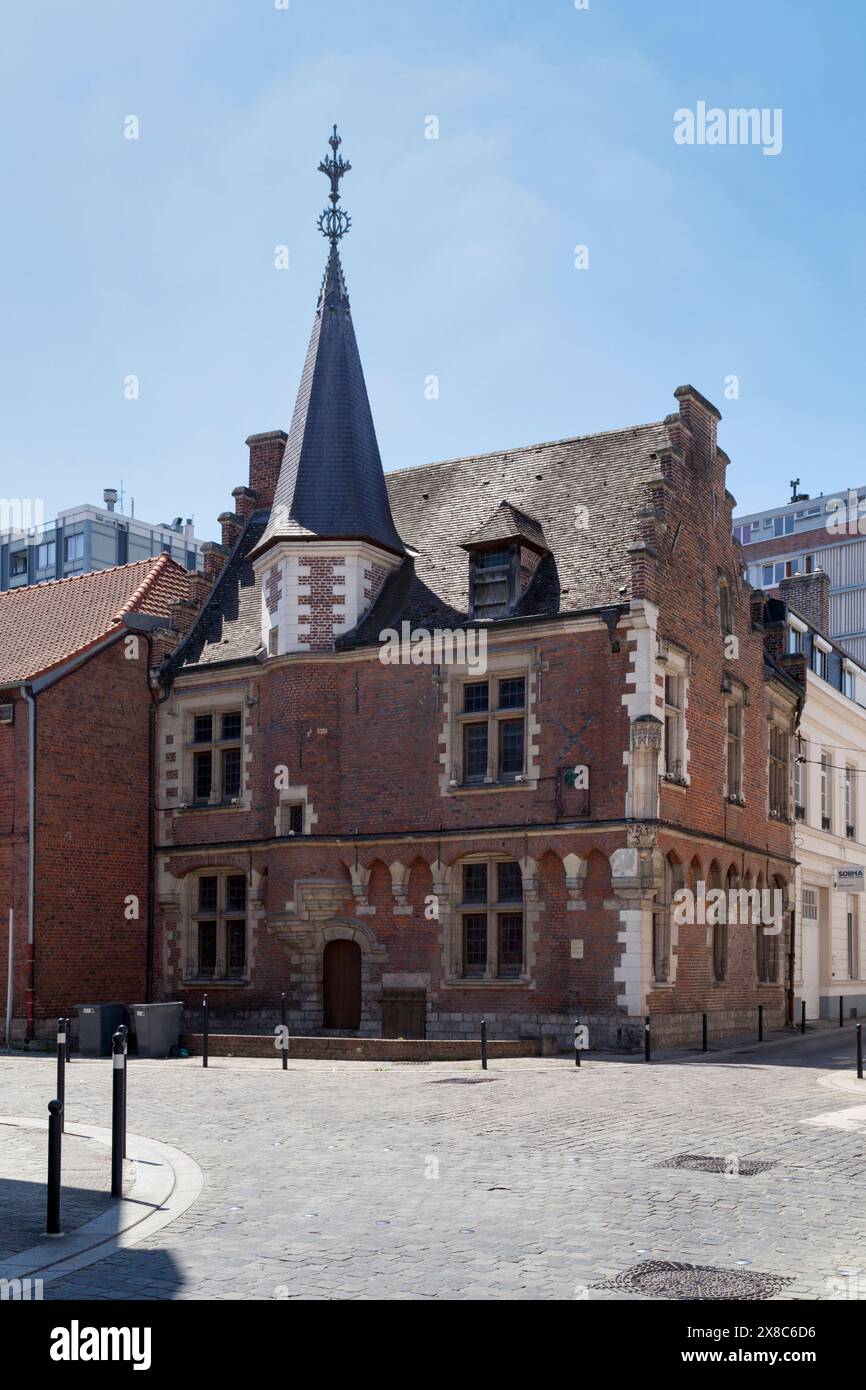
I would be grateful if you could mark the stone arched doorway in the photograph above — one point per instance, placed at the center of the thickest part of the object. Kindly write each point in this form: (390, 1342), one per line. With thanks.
(341, 985)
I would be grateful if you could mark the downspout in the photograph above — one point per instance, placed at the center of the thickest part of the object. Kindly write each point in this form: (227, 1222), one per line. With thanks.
(145, 624)
(152, 715)
(31, 862)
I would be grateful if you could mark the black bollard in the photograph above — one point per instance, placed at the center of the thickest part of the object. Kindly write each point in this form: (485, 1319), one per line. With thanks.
(760, 1023)
(859, 1051)
(841, 1006)
(704, 1033)
(125, 1031)
(61, 1069)
(204, 1031)
(117, 1116)
(55, 1141)
(483, 1044)
(285, 1032)
(802, 1015)
(647, 1041)
(576, 1048)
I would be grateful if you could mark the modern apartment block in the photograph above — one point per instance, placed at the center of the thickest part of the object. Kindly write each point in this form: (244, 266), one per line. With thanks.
(827, 532)
(86, 538)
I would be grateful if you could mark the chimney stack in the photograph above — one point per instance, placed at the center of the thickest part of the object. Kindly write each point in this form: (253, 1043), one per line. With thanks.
(266, 455)
(809, 596)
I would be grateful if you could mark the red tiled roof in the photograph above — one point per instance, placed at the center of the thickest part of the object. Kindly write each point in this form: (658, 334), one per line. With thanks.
(44, 625)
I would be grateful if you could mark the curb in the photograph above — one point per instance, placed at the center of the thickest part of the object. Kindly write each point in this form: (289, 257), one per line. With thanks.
(691, 1055)
(167, 1182)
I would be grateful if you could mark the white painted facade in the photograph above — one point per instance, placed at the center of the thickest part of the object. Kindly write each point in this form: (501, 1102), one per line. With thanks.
(830, 939)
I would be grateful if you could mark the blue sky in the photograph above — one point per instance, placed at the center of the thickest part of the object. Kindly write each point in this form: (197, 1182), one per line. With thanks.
(155, 257)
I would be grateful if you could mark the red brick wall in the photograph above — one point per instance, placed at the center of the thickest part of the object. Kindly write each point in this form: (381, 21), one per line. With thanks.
(13, 856)
(91, 835)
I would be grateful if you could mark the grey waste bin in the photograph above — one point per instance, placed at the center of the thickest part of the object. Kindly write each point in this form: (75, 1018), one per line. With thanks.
(157, 1028)
(96, 1025)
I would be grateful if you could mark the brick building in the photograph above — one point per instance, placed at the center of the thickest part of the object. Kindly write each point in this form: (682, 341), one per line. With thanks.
(405, 846)
(76, 717)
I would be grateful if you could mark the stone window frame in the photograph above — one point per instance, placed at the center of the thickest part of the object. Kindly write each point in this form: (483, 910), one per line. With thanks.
(192, 704)
(801, 780)
(499, 666)
(676, 666)
(493, 910)
(735, 699)
(778, 768)
(222, 915)
(216, 747)
(294, 796)
(849, 800)
(826, 789)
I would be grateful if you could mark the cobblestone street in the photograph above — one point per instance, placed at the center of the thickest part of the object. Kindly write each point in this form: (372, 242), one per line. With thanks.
(533, 1180)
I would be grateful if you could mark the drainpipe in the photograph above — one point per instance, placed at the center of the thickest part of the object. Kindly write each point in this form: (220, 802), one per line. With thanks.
(31, 861)
(146, 624)
(152, 716)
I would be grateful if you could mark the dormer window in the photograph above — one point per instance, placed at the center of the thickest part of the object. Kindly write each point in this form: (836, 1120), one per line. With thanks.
(504, 554)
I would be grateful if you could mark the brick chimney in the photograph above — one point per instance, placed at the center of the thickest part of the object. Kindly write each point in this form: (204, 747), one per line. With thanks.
(215, 556)
(246, 501)
(231, 525)
(809, 595)
(198, 587)
(266, 455)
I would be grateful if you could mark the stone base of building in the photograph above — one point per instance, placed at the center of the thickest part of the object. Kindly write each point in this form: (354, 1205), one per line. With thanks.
(359, 1049)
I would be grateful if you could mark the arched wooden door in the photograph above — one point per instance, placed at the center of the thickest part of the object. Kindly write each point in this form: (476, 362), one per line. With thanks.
(341, 984)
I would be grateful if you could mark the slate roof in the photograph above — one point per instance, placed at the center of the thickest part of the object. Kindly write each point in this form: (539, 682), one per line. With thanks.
(507, 523)
(331, 481)
(229, 626)
(44, 625)
(438, 505)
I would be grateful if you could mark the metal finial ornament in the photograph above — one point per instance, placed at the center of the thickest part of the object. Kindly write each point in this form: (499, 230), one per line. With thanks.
(334, 222)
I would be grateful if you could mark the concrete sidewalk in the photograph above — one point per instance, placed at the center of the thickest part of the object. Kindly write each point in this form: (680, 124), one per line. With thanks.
(23, 1175)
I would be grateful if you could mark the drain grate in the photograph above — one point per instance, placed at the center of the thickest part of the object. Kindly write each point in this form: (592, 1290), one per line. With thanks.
(709, 1163)
(668, 1279)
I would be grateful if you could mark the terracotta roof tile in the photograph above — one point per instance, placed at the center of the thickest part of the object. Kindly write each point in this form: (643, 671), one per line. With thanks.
(43, 625)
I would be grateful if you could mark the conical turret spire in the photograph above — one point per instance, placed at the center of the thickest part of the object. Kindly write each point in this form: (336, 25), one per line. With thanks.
(331, 483)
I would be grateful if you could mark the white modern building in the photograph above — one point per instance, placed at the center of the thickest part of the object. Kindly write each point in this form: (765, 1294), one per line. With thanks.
(830, 807)
(86, 538)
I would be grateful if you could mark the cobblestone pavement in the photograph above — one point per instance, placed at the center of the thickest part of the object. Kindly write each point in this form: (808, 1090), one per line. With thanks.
(532, 1180)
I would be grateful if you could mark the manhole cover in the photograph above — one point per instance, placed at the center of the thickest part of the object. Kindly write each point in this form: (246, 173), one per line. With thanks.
(667, 1279)
(709, 1163)
(462, 1080)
